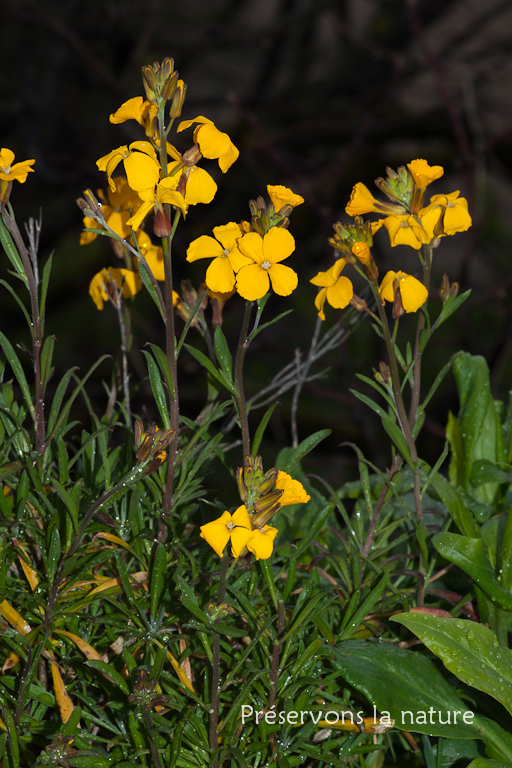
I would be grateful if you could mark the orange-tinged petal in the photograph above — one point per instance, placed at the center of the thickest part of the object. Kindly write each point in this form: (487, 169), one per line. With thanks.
(220, 276)
(284, 280)
(281, 196)
(204, 247)
(278, 244)
(387, 286)
(252, 282)
(362, 252)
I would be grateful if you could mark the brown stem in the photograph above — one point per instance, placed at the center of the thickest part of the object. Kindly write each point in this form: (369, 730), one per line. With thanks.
(214, 711)
(241, 402)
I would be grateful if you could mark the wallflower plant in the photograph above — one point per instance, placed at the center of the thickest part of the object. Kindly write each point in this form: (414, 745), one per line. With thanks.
(157, 583)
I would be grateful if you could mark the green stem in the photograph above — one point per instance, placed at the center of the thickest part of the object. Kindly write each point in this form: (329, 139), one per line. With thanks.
(241, 402)
(403, 419)
(416, 383)
(36, 330)
(214, 708)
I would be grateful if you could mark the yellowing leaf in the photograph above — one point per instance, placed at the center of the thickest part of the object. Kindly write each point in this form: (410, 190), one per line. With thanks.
(180, 672)
(138, 578)
(86, 649)
(14, 618)
(64, 702)
(115, 540)
(29, 572)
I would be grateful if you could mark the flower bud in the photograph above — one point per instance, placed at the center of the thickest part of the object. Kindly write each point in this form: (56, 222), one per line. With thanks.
(192, 156)
(177, 100)
(162, 226)
(265, 508)
(447, 290)
(149, 82)
(358, 303)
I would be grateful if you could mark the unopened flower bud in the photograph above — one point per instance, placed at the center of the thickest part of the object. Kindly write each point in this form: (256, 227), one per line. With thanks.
(192, 156)
(177, 100)
(358, 303)
(447, 289)
(149, 82)
(162, 226)
(384, 373)
(265, 508)
(398, 309)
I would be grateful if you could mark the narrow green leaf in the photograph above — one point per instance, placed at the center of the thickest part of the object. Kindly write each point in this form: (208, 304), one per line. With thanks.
(258, 436)
(189, 600)
(223, 354)
(111, 672)
(305, 447)
(163, 364)
(148, 284)
(13, 737)
(454, 503)
(370, 403)
(261, 328)
(12, 252)
(207, 363)
(19, 303)
(398, 439)
(158, 574)
(46, 361)
(45, 279)
(158, 390)
(19, 373)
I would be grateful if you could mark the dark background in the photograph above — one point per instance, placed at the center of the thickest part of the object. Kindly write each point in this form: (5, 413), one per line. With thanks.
(317, 95)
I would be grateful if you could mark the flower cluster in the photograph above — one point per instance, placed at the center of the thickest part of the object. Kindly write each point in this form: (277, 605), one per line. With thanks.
(247, 257)
(407, 220)
(10, 171)
(247, 529)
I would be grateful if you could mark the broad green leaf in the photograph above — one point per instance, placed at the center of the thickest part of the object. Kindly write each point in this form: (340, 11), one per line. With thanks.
(468, 650)
(158, 390)
(405, 683)
(483, 762)
(471, 555)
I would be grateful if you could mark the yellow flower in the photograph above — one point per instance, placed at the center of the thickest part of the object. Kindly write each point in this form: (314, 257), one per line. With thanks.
(423, 173)
(235, 528)
(153, 254)
(140, 163)
(253, 281)
(362, 253)
(18, 171)
(406, 230)
(293, 490)
(452, 213)
(413, 293)
(282, 196)
(154, 197)
(115, 208)
(261, 542)
(129, 281)
(337, 290)
(227, 259)
(134, 109)
(362, 201)
(214, 144)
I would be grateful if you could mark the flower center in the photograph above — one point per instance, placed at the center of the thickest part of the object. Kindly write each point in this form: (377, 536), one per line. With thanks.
(5, 168)
(450, 204)
(404, 224)
(230, 526)
(266, 265)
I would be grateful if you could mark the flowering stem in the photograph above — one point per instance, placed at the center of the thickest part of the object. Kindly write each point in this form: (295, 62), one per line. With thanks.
(122, 313)
(214, 710)
(415, 398)
(36, 330)
(403, 419)
(241, 402)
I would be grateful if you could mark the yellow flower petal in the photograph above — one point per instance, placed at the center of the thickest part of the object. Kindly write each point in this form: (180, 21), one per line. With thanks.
(387, 286)
(239, 539)
(423, 173)
(262, 542)
(10, 172)
(228, 234)
(251, 246)
(284, 280)
(204, 247)
(320, 301)
(293, 490)
(130, 110)
(220, 276)
(142, 171)
(200, 188)
(278, 244)
(252, 282)
(340, 294)
(413, 293)
(216, 533)
(281, 196)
